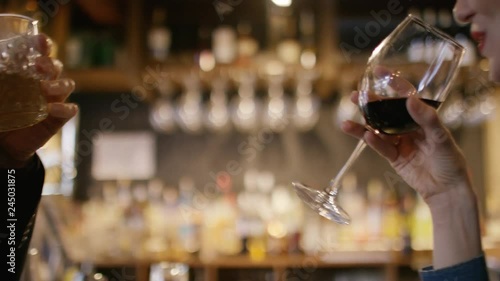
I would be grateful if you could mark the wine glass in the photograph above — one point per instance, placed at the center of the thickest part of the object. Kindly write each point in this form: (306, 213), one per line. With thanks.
(217, 117)
(246, 107)
(162, 112)
(389, 79)
(306, 104)
(190, 106)
(276, 106)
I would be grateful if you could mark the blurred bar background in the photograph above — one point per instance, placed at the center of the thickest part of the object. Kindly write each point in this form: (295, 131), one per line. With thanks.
(195, 117)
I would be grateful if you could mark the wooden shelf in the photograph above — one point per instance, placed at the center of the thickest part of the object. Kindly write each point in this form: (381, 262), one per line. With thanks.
(102, 80)
(341, 259)
(114, 79)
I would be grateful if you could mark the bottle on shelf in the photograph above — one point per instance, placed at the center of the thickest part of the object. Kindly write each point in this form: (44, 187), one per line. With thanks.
(155, 213)
(221, 229)
(250, 225)
(312, 232)
(374, 210)
(421, 226)
(444, 18)
(246, 107)
(289, 49)
(88, 273)
(407, 207)
(307, 29)
(282, 34)
(257, 242)
(355, 203)
(277, 105)
(189, 111)
(204, 56)
(74, 52)
(159, 36)
(247, 45)
(224, 44)
(287, 218)
(392, 220)
(217, 111)
(188, 228)
(305, 108)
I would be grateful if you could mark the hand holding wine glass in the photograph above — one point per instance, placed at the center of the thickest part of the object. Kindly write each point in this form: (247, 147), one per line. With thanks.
(428, 159)
(389, 82)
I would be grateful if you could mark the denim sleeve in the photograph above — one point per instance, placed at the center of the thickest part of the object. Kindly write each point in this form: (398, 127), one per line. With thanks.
(473, 270)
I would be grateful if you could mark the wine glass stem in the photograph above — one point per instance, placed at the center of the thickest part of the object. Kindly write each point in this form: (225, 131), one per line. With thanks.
(335, 182)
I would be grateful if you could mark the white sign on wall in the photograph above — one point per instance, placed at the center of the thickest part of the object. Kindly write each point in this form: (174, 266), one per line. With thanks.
(127, 155)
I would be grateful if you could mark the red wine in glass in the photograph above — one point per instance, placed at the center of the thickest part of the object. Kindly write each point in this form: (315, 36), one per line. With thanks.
(390, 116)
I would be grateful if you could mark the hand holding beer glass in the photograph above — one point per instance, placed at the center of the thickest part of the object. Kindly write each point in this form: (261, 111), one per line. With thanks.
(22, 103)
(32, 107)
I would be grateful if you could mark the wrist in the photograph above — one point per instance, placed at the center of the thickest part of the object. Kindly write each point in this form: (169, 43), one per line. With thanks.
(456, 230)
(455, 201)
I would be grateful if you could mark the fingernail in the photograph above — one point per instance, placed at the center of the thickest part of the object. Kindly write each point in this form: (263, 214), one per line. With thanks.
(49, 43)
(63, 110)
(415, 105)
(58, 64)
(67, 85)
(345, 125)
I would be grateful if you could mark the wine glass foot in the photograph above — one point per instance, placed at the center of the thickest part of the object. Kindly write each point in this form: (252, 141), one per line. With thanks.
(323, 203)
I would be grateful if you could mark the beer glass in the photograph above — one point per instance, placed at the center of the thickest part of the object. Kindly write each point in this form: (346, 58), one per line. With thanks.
(22, 102)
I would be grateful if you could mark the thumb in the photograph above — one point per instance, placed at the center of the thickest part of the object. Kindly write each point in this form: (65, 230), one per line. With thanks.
(423, 114)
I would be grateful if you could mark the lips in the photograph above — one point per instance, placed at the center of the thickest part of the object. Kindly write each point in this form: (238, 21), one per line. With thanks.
(480, 38)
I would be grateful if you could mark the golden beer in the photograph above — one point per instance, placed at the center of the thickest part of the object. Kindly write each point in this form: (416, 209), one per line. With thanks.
(21, 101)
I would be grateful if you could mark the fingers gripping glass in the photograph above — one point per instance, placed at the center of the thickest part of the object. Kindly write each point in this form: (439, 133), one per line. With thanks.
(22, 103)
(390, 77)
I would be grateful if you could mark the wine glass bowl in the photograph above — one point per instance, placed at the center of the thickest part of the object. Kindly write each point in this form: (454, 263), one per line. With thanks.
(392, 76)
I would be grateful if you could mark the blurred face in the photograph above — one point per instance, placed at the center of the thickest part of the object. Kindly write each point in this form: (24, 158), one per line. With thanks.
(484, 17)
